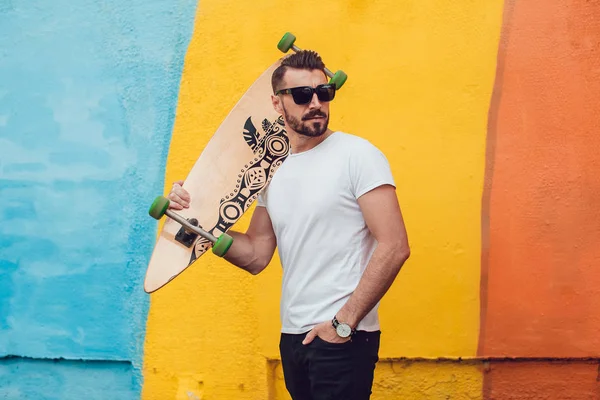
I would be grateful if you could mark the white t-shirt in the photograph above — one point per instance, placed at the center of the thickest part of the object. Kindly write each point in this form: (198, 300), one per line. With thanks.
(323, 241)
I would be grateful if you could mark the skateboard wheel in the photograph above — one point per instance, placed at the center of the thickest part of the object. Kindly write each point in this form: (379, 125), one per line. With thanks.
(339, 78)
(222, 245)
(286, 42)
(159, 207)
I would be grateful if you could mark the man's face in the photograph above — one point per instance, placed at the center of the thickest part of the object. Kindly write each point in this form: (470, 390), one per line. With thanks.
(309, 119)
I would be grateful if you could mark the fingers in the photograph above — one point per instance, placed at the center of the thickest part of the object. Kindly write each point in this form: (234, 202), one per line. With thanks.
(310, 336)
(179, 197)
(180, 191)
(177, 201)
(174, 206)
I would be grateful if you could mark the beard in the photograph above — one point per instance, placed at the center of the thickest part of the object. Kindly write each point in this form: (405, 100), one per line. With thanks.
(306, 126)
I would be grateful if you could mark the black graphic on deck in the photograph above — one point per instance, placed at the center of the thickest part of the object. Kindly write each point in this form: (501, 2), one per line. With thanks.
(270, 150)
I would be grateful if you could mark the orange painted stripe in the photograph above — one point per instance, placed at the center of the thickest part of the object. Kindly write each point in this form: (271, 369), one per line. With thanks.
(541, 209)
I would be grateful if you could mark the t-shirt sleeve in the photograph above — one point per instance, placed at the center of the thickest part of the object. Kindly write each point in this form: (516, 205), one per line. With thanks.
(369, 168)
(260, 200)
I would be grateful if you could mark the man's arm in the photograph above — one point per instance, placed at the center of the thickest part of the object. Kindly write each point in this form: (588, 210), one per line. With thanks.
(383, 217)
(252, 251)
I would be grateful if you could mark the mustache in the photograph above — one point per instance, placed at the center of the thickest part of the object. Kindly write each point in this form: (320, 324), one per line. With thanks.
(313, 114)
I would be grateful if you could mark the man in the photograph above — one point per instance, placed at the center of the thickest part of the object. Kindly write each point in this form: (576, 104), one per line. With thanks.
(332, 212)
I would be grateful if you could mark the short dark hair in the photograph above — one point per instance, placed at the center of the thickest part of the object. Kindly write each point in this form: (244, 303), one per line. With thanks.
(303, 59)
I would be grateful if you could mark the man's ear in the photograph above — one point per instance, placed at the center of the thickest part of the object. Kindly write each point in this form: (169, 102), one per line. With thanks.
(277, 104)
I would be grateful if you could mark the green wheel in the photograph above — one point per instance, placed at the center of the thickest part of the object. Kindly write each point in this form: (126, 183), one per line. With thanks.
(339, 78)
(286, 42)
(222, 245)
(159, 207)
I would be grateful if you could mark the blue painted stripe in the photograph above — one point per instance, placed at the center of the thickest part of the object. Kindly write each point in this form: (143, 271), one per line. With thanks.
(88, 91)
(66, 380)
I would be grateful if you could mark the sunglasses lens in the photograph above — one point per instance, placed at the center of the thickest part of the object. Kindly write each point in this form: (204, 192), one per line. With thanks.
(326, 92)
(302, 95)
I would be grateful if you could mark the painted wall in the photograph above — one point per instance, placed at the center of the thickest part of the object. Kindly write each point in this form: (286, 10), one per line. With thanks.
(486, 111)
(419, 87)
(540, 215)
(87, 97)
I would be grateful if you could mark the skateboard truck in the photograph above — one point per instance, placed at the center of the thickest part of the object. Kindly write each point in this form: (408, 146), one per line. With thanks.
(186, 236)
(287, 42)
(189, 228)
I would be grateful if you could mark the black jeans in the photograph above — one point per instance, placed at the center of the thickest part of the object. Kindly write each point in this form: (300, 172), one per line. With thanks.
(327, 371)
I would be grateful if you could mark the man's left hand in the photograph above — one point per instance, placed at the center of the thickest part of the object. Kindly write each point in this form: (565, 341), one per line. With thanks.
(326, 332)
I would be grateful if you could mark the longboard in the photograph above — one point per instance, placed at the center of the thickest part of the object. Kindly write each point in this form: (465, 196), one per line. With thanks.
(235, 166)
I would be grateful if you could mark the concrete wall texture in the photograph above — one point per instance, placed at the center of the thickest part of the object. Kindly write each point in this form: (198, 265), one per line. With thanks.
(88, 91)
(487, 112)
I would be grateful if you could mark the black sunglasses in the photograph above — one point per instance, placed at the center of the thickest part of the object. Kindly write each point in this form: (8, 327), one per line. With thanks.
(304, 94)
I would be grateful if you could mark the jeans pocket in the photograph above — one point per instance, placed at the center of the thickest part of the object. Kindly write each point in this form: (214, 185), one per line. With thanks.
(326, 344)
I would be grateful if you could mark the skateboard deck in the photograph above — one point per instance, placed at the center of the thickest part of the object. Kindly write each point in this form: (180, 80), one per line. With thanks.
(236, 164)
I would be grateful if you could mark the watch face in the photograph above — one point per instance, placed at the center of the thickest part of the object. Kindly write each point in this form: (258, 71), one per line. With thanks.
(343, 330)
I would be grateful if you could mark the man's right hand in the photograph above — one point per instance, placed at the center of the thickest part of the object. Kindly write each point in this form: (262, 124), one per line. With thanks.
(179, 197)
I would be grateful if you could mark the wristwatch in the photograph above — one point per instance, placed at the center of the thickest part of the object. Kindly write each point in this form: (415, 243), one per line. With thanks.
(342, 329)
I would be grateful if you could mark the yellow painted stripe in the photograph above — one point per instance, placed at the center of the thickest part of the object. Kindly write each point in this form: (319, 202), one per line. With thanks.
(420, 80)
(414, 380)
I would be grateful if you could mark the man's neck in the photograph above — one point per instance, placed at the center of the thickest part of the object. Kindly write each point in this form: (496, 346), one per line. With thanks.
(300, 143)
